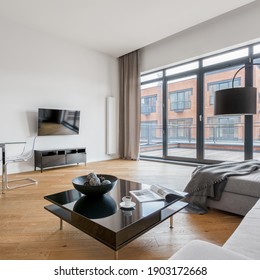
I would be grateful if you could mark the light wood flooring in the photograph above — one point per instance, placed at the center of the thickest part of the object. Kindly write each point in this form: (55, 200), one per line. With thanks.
(29, 232)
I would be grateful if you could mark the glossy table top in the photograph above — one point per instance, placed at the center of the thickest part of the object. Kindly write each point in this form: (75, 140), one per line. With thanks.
(104, 219)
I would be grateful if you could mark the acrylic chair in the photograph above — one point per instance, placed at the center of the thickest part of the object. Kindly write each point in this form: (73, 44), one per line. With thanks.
(26, 154)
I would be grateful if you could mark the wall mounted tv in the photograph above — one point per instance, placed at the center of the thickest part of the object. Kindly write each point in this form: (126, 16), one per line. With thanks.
(58, 122)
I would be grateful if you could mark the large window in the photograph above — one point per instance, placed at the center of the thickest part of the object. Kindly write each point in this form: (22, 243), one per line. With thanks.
(223, 135)
(151, 137)
(180, 126)
(177, 113)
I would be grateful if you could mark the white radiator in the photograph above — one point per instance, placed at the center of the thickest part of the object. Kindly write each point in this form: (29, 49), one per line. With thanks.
(111, 126)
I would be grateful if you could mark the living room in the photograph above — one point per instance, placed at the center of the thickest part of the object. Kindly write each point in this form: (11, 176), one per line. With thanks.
(40, 69)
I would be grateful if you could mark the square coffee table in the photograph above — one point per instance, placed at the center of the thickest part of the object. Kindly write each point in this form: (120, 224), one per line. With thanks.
(104, 219)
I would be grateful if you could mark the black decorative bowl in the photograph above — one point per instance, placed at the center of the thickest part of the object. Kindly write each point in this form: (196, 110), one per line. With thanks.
(80, 184)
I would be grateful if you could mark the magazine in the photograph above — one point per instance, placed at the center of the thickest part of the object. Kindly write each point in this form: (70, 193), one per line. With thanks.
(156, 192)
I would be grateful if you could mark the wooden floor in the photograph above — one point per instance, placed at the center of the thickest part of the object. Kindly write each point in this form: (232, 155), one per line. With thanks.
(29, 232)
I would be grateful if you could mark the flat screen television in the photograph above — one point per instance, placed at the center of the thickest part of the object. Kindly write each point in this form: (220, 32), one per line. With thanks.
(58, 122)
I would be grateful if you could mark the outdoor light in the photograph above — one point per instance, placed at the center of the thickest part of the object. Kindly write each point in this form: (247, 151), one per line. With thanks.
(231, 101)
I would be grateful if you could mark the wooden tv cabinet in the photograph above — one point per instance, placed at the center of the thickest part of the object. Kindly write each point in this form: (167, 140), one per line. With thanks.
(59, 157)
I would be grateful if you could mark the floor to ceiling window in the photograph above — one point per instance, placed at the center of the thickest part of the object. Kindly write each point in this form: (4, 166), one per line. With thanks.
(177, 110)
(181, 117)
(225, 132)
(151, 137)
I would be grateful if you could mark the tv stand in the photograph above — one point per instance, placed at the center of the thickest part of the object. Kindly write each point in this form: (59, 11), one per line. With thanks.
(59, 157)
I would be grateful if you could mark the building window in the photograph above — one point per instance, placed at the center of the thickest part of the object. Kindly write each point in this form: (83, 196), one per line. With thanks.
(180, 100)
(150, 132)
(224, 128)
(219, 85)
(180, 129)
(148, 104)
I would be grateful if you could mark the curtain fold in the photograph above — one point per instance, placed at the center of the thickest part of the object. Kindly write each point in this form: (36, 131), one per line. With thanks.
(129, 111)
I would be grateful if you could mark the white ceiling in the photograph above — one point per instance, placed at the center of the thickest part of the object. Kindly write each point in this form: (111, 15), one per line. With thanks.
(114, 27)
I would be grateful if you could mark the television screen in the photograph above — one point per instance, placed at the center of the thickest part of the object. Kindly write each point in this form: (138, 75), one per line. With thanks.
(58, 122)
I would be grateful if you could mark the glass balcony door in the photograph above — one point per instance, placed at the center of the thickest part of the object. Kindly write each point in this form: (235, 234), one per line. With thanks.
(181, 133)
(177, 113)
(151, 134)
(223, 134)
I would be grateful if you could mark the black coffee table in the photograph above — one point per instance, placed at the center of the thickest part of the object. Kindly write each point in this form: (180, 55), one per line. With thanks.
(104, 219)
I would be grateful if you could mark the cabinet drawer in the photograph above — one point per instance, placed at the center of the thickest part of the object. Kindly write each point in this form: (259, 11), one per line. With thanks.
(50, 161)
(76, 158)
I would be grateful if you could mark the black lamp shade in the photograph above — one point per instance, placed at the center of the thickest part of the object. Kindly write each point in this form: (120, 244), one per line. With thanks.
(234, 101)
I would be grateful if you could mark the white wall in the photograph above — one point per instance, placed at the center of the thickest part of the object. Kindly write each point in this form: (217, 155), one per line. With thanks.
(232, 29)
(38, 70)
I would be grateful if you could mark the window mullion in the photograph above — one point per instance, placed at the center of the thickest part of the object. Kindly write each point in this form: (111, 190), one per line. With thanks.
(249, 118)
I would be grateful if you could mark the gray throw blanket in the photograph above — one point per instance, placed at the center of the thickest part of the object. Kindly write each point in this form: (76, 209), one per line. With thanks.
(209, 181)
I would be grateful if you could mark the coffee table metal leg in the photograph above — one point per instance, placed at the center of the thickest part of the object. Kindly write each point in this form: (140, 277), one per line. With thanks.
(171, 222)
(61, 224)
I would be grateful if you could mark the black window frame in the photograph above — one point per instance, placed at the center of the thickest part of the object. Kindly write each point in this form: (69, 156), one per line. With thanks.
(200, 72)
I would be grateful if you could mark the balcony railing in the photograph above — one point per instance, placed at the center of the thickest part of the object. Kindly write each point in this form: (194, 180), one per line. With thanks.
(148, 109)
(223, 136)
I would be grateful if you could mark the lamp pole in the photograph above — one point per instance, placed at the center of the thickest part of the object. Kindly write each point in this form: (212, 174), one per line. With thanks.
(249, 133)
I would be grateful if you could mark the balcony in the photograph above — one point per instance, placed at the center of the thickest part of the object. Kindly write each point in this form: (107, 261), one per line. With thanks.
(221, 142)
(148, 109)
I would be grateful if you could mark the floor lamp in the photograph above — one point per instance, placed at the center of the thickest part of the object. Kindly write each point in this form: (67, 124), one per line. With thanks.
(232, 101)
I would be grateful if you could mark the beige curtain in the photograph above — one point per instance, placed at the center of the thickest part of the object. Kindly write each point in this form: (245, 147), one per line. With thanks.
(129, 111)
